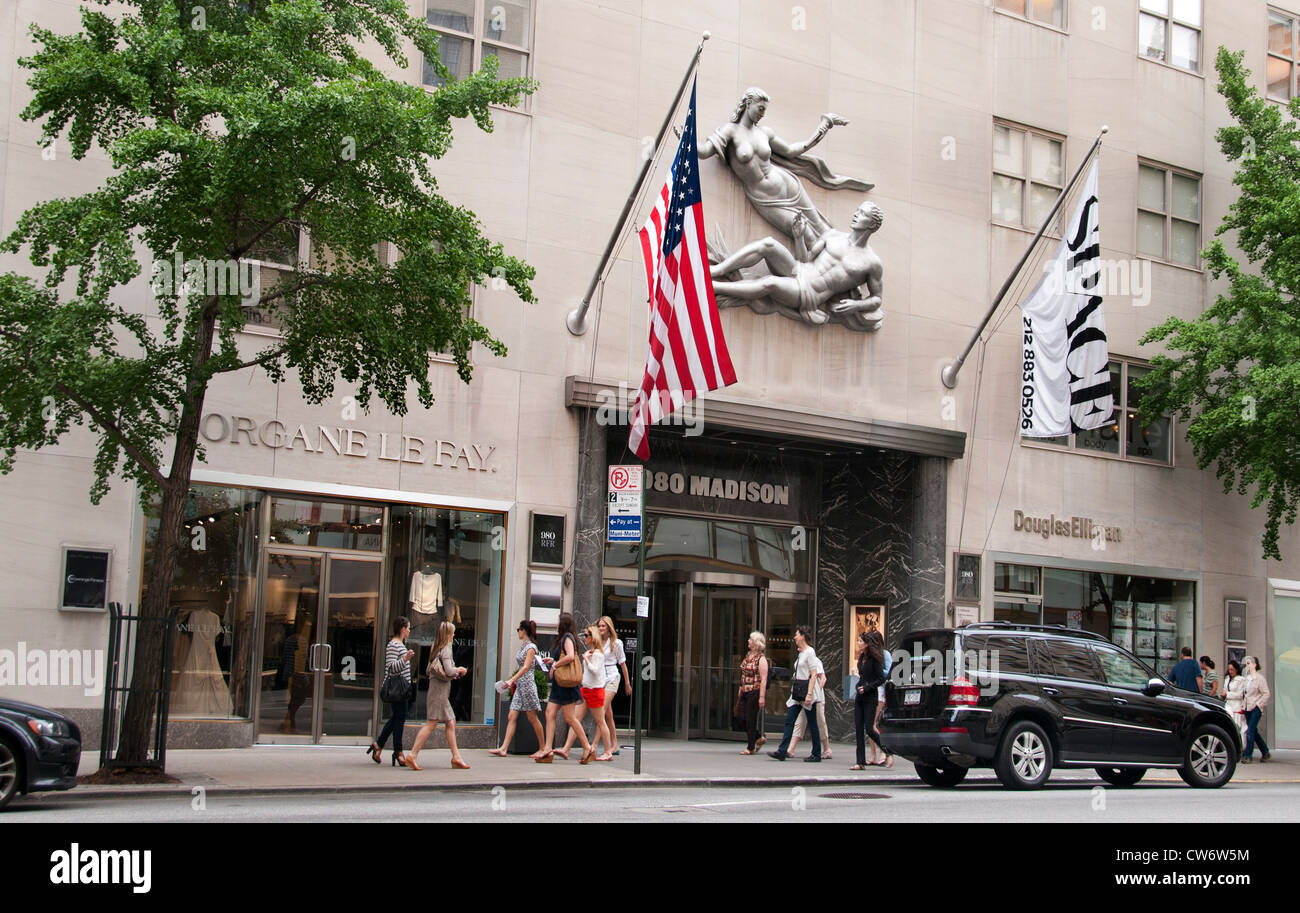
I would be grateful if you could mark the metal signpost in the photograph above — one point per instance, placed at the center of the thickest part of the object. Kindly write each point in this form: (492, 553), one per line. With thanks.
(626, 522)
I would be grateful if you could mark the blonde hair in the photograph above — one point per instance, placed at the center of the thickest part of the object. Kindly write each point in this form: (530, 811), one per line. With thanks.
(609, 623)
(446, 631)
(595, 636)
(758, 638)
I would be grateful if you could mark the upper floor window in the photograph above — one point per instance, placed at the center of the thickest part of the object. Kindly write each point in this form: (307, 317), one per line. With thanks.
(1123, 436)
(1282, 55)
(470, 31)
(1169, 214)
(1170, 30)
(1049, 12)
(1028, 174)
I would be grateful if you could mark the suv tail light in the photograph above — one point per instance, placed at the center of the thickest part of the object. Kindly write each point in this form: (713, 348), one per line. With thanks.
(963, 693)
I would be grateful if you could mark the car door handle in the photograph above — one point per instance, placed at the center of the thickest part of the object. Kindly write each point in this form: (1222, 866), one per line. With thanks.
(1118, 700)
(1052, 691)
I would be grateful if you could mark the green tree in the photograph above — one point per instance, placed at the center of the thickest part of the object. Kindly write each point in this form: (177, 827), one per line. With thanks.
(1233, 376)
(232, 128)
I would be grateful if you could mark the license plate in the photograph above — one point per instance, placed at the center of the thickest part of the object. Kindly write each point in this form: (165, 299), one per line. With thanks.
(912, 697)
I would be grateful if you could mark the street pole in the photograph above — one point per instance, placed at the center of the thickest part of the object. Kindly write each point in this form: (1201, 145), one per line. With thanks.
(640, 637)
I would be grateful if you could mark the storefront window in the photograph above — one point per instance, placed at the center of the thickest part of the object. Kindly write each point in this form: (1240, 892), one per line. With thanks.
(327, 524)
(214, 594)
(445, 565)
(1153, 617)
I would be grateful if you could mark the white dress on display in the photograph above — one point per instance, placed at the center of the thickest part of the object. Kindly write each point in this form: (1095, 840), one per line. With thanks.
(201, 688)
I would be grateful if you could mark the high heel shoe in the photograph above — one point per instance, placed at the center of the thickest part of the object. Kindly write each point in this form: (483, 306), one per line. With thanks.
(459, 765)
(563, 753)
(409, 763)
(546, 758)
(587, 756)
(374, 751)
(398, 760)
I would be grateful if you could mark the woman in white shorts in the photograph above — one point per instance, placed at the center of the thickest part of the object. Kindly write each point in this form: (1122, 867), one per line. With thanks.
(615, 662)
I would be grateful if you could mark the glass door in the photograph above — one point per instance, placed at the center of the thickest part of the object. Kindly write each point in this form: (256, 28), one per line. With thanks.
(292, 597)
(732, 612)
(318, 657)
(345, 660)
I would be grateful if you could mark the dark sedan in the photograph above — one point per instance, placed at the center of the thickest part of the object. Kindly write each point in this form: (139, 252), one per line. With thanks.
(39, 750)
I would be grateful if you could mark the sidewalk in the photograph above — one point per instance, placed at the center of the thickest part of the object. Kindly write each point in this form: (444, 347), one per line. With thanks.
(664, 762)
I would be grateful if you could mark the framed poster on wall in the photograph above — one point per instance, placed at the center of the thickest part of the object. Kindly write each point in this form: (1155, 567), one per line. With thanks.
(546, 540)
(966, 578)
(84, 585)
(862, 616)
(1234, 614)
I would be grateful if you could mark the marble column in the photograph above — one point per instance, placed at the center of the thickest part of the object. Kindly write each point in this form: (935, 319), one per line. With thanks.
(589, 538)
(926, 563)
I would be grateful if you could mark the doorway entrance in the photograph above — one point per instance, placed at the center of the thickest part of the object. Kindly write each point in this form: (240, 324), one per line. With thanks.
(318, 665)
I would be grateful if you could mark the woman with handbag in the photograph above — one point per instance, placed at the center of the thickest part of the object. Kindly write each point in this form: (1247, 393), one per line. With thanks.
(396, 691)
(566, 677)
(805, 692)
(438, 706)
(523, 688)
(1256, 699)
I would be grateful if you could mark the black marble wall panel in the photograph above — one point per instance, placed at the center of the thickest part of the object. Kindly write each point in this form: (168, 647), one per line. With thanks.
(881, 540)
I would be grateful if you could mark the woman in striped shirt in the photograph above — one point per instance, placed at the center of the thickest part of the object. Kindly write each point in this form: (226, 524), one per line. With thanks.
(397, 661)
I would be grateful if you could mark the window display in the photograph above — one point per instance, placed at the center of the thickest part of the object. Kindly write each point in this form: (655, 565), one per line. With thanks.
(445, 565)
(214, 594)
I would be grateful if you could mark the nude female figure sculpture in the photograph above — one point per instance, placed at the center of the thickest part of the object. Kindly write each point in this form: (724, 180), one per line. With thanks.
(769, 168)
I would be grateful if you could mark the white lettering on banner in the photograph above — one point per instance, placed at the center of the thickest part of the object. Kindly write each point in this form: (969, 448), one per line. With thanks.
(344, 441)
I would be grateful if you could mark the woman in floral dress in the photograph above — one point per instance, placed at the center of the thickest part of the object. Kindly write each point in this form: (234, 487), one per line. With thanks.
(525, 699)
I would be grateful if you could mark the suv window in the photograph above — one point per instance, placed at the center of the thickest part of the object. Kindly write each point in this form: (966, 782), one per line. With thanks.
(1006, 655)
(1122, 671)
(1070, 659)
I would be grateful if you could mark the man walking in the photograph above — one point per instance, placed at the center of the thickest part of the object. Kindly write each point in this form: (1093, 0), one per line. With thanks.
(805, 692)
(1186, 673)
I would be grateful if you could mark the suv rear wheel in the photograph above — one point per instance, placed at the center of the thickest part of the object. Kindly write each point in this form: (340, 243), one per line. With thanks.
(1207, 761)
(1121, 776)
(942, 777)
(1024, 759)
(10, 772)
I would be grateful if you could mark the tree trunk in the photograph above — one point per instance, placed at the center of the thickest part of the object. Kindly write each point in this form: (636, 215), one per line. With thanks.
(143, 700)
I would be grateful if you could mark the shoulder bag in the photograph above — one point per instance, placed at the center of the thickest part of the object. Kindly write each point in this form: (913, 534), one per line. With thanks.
(570, 674)
(396, 689)
(435, 668)
(799, 687)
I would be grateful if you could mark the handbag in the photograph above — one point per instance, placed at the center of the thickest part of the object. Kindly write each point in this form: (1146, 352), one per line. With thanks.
(435, 668)
(396, 689)
(570, 674)
(799, 689)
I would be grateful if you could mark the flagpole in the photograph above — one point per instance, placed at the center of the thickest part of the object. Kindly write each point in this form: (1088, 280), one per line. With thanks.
(949, 373)
(576, 321)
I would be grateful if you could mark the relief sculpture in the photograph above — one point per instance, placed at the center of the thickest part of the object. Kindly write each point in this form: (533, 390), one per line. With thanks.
(829, 275)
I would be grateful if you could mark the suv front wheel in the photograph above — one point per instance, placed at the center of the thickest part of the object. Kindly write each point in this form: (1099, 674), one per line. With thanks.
(1207, 761)
(942, 777)
(1024, 758)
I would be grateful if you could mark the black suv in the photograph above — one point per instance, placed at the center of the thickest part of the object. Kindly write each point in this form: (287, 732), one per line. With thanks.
(1024, 699)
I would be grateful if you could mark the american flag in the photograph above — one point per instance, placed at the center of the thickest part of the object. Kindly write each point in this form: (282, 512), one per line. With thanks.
(687, 354)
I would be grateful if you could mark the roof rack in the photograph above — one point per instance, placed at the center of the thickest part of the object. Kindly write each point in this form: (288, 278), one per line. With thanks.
(1015, 626)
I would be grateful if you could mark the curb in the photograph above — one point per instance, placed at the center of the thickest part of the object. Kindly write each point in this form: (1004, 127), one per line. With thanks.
(185, 789)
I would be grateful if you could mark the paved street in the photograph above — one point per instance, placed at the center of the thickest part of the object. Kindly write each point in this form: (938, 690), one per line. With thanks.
(1076, 801)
